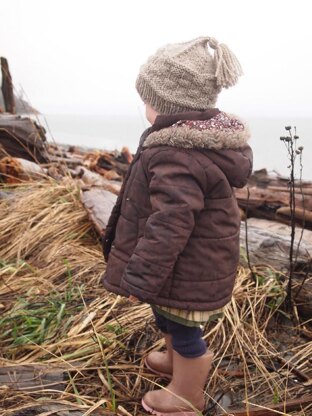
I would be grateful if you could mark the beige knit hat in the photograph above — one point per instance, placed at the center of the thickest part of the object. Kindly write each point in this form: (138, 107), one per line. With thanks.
(185, 76)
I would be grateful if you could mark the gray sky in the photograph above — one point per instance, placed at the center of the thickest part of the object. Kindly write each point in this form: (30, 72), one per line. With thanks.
(78, 56)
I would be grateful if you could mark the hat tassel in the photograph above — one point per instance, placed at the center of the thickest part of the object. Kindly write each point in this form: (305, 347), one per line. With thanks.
(228, 68)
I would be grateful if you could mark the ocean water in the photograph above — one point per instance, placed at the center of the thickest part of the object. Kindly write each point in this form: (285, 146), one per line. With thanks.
(114, 132)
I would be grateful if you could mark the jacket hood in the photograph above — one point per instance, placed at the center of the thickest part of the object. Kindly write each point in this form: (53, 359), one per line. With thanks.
(235, 164)
(223, 138)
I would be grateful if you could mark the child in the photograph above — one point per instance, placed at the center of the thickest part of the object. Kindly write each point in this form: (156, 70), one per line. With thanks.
(173, 236)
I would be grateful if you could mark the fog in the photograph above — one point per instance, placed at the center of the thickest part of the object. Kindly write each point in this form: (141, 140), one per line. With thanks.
(78, 56)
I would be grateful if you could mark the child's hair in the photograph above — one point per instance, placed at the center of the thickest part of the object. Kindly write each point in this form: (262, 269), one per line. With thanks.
(186, 76)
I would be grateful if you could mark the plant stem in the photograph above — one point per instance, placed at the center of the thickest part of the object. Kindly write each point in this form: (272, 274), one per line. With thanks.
(292, 205)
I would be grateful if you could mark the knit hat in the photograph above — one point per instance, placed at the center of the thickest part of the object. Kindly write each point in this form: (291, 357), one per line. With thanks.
(186, 76)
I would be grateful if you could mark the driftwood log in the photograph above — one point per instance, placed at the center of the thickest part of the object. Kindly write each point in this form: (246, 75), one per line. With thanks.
(270, 194)
(269, 242)
(269, 409)
(262, 179)
(273, 205)
(15, 170)
(70, 162)
(32, 377)
(89, 179)
(302, 216)
(109, 165)
(98, 204)
(22, 137)
(7, 87)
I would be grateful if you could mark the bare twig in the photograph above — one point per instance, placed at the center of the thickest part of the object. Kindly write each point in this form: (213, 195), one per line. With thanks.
(246, 237)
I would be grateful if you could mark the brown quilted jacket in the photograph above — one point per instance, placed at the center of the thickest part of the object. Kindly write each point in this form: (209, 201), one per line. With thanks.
(173, 235)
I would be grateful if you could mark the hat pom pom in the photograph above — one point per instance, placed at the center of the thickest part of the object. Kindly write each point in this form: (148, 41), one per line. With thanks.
(228, 68)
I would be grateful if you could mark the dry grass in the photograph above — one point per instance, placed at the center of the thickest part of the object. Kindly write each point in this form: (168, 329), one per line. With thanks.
(55, 313)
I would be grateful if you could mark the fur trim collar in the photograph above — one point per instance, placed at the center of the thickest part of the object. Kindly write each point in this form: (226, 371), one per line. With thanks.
(224, 131)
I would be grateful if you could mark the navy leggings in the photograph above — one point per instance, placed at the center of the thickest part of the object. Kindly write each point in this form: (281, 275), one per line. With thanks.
(186, 340)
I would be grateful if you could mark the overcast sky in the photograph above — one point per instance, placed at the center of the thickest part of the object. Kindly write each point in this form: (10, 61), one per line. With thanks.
(75, 56)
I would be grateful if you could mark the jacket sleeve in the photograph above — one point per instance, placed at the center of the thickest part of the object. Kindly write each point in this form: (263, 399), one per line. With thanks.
(177, 197)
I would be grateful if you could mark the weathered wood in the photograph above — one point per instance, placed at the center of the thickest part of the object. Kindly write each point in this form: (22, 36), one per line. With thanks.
(32, 377)
(274, 205)
(299, 191)
(105, 163)
(22, 137)
(262, 179)
(7, 87)
(89, 179)
(15, 170)
(51, 407)
(70, 162)
(99, 204)
(269, 197)
(126, 155)
(289, 366)
(269, 243)
(302, 216)
(259, 197)
(270, 409)
(110, 165)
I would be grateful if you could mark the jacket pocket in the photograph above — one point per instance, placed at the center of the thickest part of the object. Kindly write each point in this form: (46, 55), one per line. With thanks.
(114, 270)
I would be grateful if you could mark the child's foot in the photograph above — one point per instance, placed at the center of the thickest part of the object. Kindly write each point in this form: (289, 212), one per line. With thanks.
(159, 363)
(185, 393)
(167, 403)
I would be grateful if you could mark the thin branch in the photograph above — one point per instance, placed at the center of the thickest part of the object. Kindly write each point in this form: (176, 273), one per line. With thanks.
(246, 237)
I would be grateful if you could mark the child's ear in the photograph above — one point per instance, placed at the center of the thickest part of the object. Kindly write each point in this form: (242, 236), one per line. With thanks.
(150, 113)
